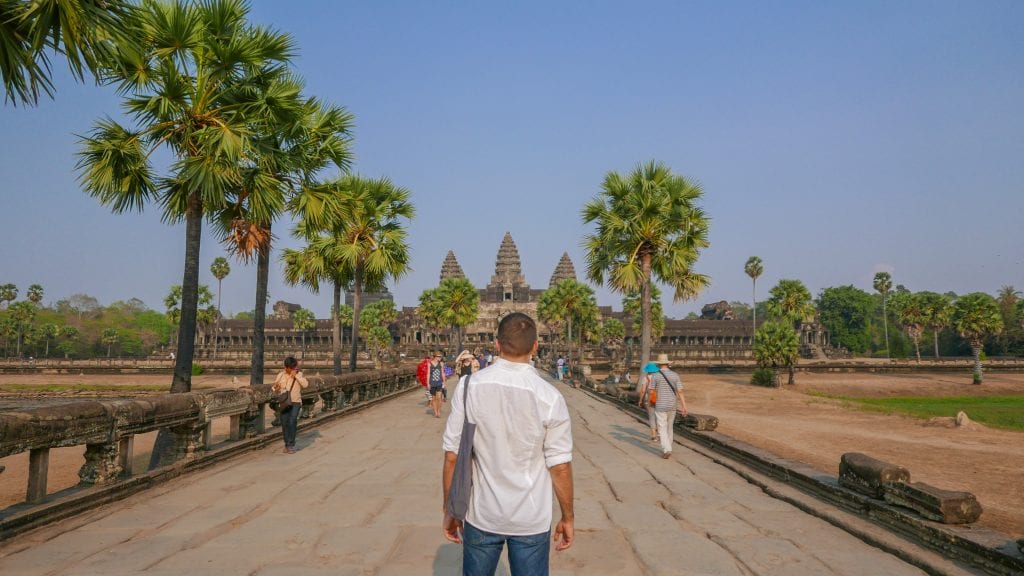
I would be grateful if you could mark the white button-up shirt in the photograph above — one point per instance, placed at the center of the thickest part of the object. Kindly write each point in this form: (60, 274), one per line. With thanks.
(522, 429)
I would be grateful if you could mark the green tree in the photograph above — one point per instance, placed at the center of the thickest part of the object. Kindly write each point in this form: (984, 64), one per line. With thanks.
(110, 337)
(775, 346)
(22, 314)
(68, 337)
(974, 317)
(649, 228)
(29, 31)
(575, 303)
(613, 336)
(343, 315)
(49, 332)
(754, 268)
(883, 284)
(454, 304)
(790, 302)
(303, 320)
(190, 75)
(912, 313)
(8, 294)
(173, 301)
(220, 268)
(376, 320)
(846, 312)
(34, 294)
(938, 312)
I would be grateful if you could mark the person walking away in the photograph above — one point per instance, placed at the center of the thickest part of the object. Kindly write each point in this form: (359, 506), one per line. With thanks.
(522, 453)
(646, 395)
(670, 400)
(291, 380)
(435, 380)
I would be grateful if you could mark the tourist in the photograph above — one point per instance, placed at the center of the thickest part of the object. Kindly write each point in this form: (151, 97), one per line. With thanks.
(291, 380)
(466, 364)
(560, 367)
(670, 399)
(435, 380)
(644, 401)
(422, 372)
(522, 452)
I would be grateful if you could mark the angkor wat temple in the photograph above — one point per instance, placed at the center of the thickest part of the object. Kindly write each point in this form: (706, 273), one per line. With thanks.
(714, 336)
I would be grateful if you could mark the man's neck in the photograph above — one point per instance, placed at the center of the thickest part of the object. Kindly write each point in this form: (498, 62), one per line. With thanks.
(517, 359)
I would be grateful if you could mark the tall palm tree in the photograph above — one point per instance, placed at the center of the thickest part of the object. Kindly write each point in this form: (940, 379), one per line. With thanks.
(306, 137)
(974, 317)
(754, 268)
(577, 304)
(882, 285)
(34, 294)
(631, 304)
(220, 268)
(455, 303)
(550, 312)
(110, 337)
(776, 345)
(8, 294)
(363, 239)
(912, 313)
(303, 321)
(791, 302)
(649, 228)
(79, 30)
(938, 310)
(189, 80)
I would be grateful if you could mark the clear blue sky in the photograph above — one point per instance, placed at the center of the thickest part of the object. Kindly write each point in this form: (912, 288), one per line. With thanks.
(832, 139)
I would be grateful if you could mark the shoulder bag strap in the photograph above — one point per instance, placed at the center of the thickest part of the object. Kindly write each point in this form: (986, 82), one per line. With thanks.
(465, 399)
(667, 381)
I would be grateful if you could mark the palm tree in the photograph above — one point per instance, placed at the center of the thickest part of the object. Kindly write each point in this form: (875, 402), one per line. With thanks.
(631, 304)
(22, 314)
(190, 82)
(362, 243)
(34, 294)
(938, 311)
(376, 319)
(306, 137)
(754, 268)
(974, 317)
(303, 320)
(912, 313)
(649, 227)
(791, 302)
(8, 294)
(110, 337)
(81, 31)
(776, 345)
(550, 312)
(50, 331)
(220, 268)
(613, 334)
(455, 303)
(343, 314)
(68, 336)
(576, 303)
(882, 285)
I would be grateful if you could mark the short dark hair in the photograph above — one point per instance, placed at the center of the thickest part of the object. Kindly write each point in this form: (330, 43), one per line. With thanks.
(290, 362)
(517, 333)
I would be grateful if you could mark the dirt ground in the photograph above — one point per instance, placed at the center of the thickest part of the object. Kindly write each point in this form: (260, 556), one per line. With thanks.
(789, 422)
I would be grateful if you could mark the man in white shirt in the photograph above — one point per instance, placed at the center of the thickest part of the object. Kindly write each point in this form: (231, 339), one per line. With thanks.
(522, 453)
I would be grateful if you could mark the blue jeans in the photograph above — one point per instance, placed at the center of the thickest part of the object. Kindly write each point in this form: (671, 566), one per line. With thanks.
(527, 555)
(290, 424)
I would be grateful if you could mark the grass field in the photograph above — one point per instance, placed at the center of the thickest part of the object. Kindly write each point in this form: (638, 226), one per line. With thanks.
(997, 411)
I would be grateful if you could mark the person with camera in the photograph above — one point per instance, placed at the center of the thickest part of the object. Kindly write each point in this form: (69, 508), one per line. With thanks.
(292, 381)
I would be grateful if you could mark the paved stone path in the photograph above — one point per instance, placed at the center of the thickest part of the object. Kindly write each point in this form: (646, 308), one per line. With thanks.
(362, 496)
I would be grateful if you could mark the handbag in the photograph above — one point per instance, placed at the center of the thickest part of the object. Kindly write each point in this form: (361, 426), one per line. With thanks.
(462, 477)
(652, 393)
(284, 399)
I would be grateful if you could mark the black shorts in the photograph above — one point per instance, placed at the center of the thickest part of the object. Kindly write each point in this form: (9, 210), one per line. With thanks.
(435, 390)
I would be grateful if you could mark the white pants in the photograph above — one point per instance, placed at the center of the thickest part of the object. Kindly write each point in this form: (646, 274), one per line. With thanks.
(650, 417)
(666, 425)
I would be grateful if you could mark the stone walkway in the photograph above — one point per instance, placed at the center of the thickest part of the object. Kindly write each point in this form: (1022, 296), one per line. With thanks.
(362, 496)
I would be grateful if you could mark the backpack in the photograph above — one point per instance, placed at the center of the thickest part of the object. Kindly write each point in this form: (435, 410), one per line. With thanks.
(422, 371)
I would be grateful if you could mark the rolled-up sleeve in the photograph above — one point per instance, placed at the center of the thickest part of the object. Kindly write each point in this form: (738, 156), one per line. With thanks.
(558, 435)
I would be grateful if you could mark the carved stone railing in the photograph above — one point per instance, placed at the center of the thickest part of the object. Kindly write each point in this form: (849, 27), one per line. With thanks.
(107, 429)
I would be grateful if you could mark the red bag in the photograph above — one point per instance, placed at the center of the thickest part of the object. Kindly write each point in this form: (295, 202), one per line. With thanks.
(422, 371)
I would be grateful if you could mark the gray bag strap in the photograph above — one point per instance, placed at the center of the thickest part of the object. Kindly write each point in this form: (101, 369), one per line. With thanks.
(465, 400)
(667, 381)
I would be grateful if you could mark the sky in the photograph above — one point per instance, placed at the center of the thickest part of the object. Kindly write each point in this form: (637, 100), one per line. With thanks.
(831, 139)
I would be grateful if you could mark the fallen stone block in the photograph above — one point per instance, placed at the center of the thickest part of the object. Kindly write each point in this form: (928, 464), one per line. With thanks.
(869, 476)
(700, 422)
(946, 506)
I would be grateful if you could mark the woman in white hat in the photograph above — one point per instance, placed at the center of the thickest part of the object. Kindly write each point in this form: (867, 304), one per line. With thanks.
(670, 400)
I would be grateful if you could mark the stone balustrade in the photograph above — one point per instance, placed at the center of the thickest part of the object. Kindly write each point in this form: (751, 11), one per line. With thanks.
(107, 427)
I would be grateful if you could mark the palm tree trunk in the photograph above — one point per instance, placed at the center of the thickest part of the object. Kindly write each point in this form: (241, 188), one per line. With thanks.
(458, 339)
(163, 448)
(259, 317)
(336, 329)
(216, 321)
(753, 335)
(568, 346)
(645, 309)
(885, 326)
(357, 296)
(976, 350)
(935, 337)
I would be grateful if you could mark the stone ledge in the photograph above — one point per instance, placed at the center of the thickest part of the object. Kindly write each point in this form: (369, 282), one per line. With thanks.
(868, 475)
(946, 506)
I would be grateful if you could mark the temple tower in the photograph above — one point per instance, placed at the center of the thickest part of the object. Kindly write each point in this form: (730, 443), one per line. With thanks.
(508, 283)
(451, 268)
(564, 271)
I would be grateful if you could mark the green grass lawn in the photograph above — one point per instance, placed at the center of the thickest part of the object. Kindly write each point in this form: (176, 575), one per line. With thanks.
(996, 411)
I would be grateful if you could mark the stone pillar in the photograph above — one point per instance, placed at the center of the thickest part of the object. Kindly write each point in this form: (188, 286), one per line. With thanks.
(188, 440)
(125, 449)
(251, 424)
(330, 401)
(38, 469)
(102, 465)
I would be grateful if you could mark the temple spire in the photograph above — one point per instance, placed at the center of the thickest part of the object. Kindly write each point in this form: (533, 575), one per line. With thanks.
(507, 268)
(564, 271)
(450, 268)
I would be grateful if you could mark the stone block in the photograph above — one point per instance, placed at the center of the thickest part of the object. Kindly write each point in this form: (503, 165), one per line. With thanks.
(869, 476)
(699, 422)
(946, 506)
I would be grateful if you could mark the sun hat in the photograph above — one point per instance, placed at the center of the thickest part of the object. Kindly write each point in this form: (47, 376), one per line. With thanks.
(651, 368)
(663, 360)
